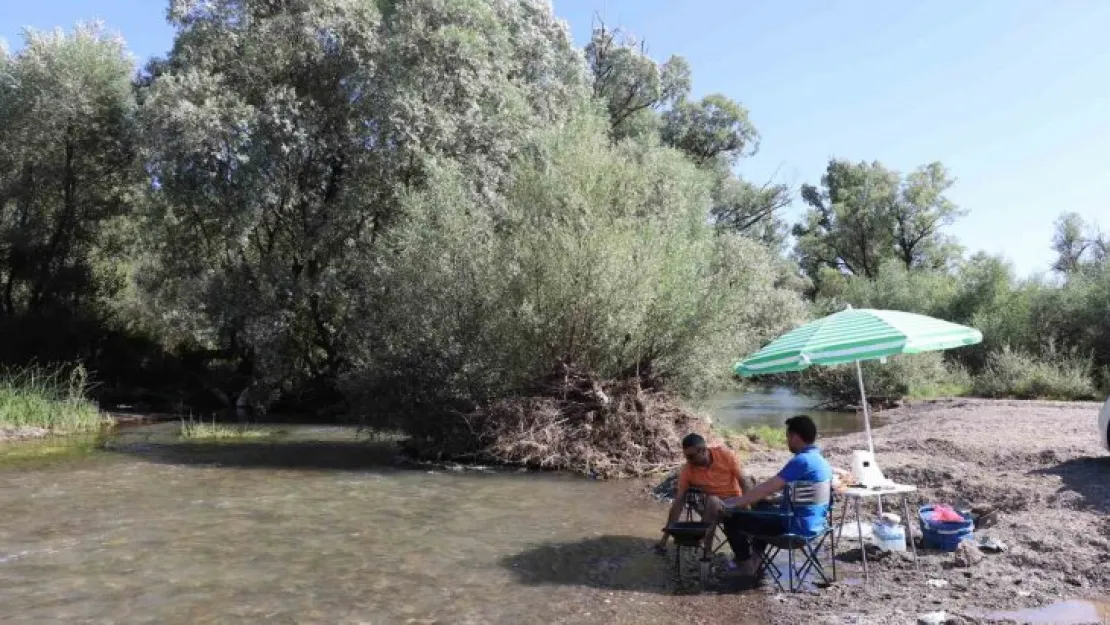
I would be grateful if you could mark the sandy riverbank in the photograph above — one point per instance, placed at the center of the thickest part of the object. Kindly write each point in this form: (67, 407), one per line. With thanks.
(1039, 464)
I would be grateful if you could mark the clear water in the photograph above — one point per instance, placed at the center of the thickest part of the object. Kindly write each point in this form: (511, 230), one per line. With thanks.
(774, 406)
(313, 528)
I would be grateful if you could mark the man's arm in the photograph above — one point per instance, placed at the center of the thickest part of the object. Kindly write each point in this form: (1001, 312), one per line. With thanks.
(672, 516)
(760, 492)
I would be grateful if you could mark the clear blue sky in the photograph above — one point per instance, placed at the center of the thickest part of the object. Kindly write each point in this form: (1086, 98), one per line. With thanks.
(1012, 95)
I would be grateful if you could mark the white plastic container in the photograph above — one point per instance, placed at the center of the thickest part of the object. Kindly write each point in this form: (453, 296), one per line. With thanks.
(866, 471)
(888, 536)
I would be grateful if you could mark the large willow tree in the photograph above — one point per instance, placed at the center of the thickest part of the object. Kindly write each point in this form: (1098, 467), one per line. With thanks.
(282, 135)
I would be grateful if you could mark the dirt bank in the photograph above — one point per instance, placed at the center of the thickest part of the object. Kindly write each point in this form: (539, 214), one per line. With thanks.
(1039, 464)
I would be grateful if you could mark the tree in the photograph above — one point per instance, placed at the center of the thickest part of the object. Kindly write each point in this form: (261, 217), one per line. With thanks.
(865, 213)
(920, 214)
(633, 86)
(1077, 244)
(745, 208)
(68, 170)
(715, 127)
(282, 137)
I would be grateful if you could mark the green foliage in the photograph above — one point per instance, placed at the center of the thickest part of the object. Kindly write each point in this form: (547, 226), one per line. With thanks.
(1077, 245)
(767, 435)
(68, 170)
(711, 129)
(647, 101)
(632, 86)
(915, 376)
(284, 140)
(601, 260)
(893, 287)
(197, 430)
(1017, 374)
(865, 214)
(52, 399)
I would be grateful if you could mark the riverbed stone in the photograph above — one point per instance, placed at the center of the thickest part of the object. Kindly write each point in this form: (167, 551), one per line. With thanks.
(968, 555)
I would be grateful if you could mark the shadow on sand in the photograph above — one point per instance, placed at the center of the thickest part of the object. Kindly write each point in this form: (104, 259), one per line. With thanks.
(1089, 477)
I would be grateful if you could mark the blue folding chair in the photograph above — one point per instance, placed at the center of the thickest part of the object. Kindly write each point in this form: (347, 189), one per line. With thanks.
(792, 540)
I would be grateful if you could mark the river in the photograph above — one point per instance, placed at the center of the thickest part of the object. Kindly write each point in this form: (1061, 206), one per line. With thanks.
(314, 526)
(773, 406)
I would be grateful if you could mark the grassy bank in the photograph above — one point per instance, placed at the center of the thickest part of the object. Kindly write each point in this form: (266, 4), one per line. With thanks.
(53, 400)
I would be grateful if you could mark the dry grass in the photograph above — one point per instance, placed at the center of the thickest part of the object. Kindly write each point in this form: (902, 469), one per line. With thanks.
(575, 422)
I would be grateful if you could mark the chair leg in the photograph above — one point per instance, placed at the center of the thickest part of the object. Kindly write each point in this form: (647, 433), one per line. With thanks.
(773, 569)
(791, 580)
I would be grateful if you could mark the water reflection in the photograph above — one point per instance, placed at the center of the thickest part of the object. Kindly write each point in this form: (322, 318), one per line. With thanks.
(773, 407)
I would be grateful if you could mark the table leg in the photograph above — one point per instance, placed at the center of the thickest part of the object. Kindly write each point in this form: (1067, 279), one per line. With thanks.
(840, 526)
(862, 543)
(909, 532)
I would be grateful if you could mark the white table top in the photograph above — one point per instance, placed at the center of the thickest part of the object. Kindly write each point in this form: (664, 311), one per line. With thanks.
(878, 491)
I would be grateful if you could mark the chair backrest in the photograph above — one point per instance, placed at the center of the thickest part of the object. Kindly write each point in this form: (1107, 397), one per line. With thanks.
(805, 494)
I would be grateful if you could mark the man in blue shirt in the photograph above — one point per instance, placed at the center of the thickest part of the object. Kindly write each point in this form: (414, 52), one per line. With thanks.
(806, 480)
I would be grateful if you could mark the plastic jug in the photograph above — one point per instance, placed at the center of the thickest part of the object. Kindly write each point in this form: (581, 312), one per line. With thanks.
(888, 536)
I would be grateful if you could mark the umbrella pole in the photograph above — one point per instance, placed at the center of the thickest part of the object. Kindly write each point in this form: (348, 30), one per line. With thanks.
(867, 426)
(866, 409)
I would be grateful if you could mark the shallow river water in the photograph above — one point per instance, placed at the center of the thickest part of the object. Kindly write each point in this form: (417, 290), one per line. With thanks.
(313, 526)
(310, 532)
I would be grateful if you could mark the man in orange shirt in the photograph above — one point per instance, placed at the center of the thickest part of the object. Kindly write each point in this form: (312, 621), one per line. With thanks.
(716, 472)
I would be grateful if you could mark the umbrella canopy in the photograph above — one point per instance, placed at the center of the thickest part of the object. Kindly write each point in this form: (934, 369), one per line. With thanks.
(856, 334)
(853, 335)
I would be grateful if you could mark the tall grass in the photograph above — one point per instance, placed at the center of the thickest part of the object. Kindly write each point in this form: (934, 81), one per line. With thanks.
(199, 430)
(53, 399)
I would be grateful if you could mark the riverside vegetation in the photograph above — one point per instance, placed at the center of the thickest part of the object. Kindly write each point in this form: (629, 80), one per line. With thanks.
(442, 218)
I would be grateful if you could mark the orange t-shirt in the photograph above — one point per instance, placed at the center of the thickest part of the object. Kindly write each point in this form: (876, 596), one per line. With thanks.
(720, 479)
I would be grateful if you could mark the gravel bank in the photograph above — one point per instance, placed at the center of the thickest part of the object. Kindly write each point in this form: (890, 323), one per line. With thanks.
(1038, 464)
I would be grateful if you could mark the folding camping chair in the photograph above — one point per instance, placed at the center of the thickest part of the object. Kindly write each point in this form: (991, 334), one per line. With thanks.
(791, 540)
(695, 504)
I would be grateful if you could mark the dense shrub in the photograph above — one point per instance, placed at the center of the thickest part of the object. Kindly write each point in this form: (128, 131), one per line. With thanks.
(1011, 373)
(915, 376)
(601, 260)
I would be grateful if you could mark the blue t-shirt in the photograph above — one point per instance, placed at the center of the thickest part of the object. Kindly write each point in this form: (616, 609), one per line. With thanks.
(808, 465)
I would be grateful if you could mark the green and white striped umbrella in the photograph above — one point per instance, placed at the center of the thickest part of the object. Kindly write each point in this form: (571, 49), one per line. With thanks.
(853, 335)
(856, 334)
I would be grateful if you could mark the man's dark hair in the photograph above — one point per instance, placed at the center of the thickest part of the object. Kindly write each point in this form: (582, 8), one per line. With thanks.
(804, 427)
(693, 440)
